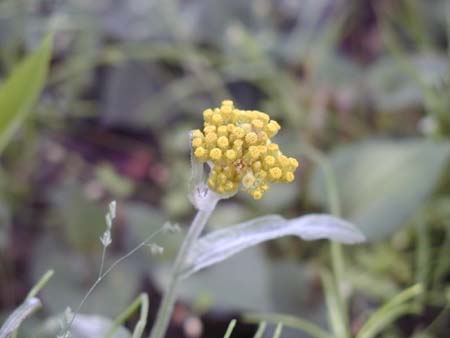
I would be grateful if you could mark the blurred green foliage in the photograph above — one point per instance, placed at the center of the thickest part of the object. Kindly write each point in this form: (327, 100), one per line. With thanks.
(364, 83)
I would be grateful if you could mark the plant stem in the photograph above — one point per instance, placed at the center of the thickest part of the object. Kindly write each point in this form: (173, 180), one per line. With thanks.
(168, 300)
(337, 257)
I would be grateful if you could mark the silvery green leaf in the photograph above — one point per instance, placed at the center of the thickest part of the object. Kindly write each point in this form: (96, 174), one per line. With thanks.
(219, 245)
(18, 316)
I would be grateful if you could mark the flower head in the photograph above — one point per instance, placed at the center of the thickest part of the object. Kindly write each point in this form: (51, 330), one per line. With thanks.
(237, 143)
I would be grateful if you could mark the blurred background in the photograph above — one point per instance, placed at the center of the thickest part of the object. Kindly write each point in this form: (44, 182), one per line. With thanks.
(360, 88)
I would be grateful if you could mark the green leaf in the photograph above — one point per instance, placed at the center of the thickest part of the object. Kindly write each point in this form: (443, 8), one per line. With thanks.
(397, 307)
(381, 184)
(21, 89)
(230, 329)
(222, 244)
(289, 321)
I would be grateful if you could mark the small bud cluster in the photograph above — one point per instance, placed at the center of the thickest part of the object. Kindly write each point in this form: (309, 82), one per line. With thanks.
(106, 239)
(238, 145)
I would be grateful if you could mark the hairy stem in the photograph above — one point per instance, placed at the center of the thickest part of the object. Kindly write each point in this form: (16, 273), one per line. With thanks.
(168, 301)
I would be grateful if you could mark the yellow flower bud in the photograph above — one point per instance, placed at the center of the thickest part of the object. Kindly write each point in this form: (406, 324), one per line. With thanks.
(262, 174)
(230, 154)
(209, 129)
(197, 142)
(263, 137)
(289, 176)
(211, 183)
(272, 128)
(227, 103)
(275, 173)
(269, 160)
(251, 138)
(230, 186)
(253, 152)
(238, 132)
(283, 160)
(293, 162)
(222, 142)
(258, 124)
(257, 194)
(222, 131)
(248, 180)
(256, 166)
(262, 149)
(221, 178)
(207, 114)
(197, 133)
(247, 127)
(210, 138)
(200, 152)
(215, 154)
(273, 147)
(217, 119)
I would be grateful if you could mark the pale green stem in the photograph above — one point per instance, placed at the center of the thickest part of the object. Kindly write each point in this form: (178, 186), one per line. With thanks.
(337, 258)
(168, 300)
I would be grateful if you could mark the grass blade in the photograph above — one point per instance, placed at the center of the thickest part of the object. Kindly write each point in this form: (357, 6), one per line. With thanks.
(278, 330)
(142, 302)
(21, 89)
(392, 310)
(289, 321)
(261, 329)
(230, 329)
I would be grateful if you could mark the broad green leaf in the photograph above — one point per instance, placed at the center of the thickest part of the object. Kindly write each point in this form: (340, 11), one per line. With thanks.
(382, 184)
(18, 316)
(21, 89)
(221, 244)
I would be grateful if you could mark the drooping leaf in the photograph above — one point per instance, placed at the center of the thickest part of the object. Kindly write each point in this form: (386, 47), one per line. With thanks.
(18, 316)
(381, 184)
(221, 244)
(21, 89)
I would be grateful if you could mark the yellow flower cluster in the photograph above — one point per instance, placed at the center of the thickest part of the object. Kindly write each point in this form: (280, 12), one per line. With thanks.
(238, 145)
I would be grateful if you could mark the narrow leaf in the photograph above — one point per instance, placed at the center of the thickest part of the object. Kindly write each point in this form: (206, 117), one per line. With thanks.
(222, 244)
(21, 89)
(390, 311)
(297, 323)
(260, 331)
(278, 330)
(18, 316)
(335, 315)
(230, 329)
